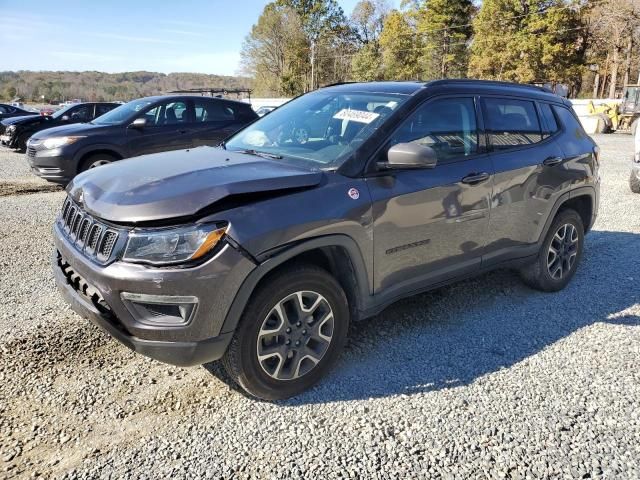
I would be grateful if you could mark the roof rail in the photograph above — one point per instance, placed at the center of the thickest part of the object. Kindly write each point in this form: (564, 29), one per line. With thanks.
(487, 82)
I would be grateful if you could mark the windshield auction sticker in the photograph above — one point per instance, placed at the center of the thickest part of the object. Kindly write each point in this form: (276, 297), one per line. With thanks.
(361, 116)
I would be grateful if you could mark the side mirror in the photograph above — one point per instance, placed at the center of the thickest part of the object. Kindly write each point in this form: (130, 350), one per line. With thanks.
(65, 118)
(410, 155)
(139, 123)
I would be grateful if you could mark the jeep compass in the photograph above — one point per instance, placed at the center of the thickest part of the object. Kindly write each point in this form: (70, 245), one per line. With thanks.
(259, 253)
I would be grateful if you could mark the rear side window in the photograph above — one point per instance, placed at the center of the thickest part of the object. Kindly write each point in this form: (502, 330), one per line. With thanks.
(511, 123)
(207, 111)
(447, 125)
(569, 121)
(551, 124)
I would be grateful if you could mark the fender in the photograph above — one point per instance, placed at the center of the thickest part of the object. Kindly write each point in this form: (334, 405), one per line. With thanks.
(577, 192)
(248, 286)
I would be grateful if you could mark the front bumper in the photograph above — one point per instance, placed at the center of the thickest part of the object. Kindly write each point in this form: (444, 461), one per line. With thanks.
(214, 283)
(52, 165)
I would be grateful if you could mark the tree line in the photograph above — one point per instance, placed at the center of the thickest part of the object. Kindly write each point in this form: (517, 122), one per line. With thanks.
(99, 86)
(589, 45)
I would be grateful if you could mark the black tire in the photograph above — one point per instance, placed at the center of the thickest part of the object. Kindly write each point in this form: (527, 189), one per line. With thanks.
(634, 183)
(538, 274)
(21, 143)
(90, 162)
(241, 358)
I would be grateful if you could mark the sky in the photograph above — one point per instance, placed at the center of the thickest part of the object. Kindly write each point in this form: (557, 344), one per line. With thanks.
(203, 36)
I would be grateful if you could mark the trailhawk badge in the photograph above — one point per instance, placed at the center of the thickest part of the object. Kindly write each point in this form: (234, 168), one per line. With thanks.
(354, 193)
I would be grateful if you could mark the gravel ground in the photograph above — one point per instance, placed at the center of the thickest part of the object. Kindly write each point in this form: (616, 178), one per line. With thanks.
(483, 379)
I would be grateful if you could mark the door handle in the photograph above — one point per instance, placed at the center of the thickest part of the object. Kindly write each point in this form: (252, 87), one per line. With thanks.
(183, 131)
(475, 178)
(551, 161)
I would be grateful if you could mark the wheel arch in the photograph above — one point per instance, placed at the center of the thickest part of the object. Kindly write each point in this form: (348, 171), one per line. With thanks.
(85, 155)
(338, 254)
(583, 200)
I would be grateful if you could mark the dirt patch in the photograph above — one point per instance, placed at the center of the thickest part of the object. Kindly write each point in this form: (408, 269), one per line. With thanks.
(26, 188)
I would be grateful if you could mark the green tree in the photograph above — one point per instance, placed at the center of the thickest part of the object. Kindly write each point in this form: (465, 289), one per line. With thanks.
(400, 48)
(527, 41)
(10, 92)
(445, 28)
(367, 21)
(274, 52)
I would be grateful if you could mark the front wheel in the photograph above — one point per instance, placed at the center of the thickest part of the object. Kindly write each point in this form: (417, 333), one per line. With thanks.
(559, 256)
(95, 161)
(290, 334)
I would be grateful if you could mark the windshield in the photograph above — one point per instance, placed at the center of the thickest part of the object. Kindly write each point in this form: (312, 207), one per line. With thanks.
(122, 113)
(320, 129)
(62, 111)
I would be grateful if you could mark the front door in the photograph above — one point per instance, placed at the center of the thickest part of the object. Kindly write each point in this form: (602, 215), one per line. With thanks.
(168, 127)
(430, 225)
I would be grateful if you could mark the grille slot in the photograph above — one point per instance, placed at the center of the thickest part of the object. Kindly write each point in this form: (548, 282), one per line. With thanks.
(92, 237)
(84, 229)
(108, 242)
(31, 152)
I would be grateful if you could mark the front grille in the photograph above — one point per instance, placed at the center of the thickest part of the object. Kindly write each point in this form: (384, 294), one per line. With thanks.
(92, 237)
(31, 152)
(81, 286)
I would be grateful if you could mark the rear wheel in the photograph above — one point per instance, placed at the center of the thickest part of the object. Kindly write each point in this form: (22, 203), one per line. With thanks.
(634, 182)
(559, 256)
(97, 160)
(290, 334)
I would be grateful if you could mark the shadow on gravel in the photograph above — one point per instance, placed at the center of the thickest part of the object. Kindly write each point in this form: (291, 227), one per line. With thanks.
(454, 335)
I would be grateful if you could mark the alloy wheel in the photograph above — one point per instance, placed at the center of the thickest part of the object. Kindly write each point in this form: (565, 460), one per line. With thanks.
(99, 163)
(295, 335)
(563, 251)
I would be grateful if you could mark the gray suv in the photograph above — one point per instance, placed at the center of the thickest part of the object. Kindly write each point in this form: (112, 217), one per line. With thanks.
(260, 252)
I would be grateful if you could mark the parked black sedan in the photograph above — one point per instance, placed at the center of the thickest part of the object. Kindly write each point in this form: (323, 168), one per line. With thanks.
(146, 125)
(18, 130)
(9, 111)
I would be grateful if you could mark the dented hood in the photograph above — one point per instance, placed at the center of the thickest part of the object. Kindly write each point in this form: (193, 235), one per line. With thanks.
(180, 183)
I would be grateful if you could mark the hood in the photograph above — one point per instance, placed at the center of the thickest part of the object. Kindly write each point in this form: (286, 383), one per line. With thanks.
(69, 129)
(12, 120)
(181, 183)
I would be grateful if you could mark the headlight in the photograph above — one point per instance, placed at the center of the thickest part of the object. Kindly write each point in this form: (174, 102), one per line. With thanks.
(172, 245)
(11, 128)
(56, 142)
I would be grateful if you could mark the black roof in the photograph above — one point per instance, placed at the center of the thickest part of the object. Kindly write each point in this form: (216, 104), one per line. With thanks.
(453, 85)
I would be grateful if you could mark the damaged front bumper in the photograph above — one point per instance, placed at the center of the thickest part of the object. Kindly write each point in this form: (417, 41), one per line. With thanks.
(174, 315)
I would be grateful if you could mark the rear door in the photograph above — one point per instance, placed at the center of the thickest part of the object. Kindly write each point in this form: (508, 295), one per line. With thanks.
(431, 225)
(214, 120)
(168, 127)
(528, 173)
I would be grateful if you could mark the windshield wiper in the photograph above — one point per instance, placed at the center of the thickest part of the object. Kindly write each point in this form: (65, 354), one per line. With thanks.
(258, 153)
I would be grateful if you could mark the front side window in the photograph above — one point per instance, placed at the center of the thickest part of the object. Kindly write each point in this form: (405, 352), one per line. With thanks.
(511, 123)
(320, 129)
(447, 125)
(165, 114)
(216, 111)
(82, 114)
